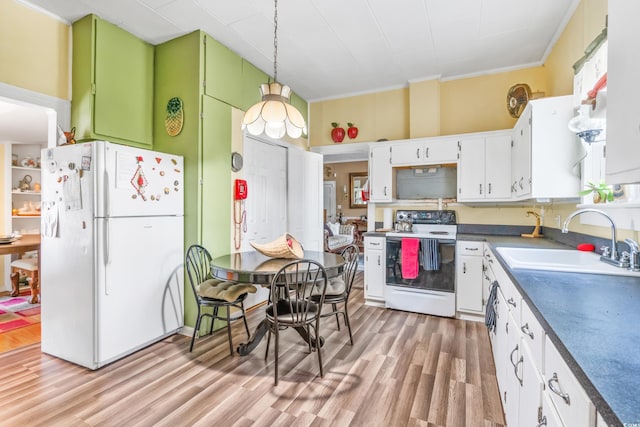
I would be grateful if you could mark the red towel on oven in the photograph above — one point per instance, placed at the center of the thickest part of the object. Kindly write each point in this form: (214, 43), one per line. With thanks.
(410, 264)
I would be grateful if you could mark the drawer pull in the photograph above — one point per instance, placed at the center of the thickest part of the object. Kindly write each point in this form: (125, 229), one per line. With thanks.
(515, 369)
(511, 301)
(525, 330)
(511, 356)
(559, 392)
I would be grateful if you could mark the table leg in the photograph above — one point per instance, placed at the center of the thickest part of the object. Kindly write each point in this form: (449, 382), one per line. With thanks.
(246, 348)
(305, 336)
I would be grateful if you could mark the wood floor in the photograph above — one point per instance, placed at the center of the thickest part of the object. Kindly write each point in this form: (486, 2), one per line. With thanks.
(404, 369)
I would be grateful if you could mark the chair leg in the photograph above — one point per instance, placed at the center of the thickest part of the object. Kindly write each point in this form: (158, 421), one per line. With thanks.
(318, 348)
(33, 284)
(15, 284)
(266, 352)
(335, 310)
(244, 319)
(229, 331)
(195, 330)
(277, 339)
(346, 318)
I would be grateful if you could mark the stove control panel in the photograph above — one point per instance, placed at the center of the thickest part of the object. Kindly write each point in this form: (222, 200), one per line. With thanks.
(427, 217)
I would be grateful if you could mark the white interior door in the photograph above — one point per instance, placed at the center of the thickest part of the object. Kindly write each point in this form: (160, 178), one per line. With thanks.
(305, 198)
(329, 199)
(266, 204)
(265, 169)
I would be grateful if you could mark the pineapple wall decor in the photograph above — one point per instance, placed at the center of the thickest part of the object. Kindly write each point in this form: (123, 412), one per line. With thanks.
(173, 122)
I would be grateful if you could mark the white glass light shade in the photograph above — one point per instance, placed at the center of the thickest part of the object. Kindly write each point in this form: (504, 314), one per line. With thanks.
(274, 115)
(589, 129)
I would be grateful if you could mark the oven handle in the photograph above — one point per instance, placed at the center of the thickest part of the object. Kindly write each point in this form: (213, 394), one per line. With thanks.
(440, 240)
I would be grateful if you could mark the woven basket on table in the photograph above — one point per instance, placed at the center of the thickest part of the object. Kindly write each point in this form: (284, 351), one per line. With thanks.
(285, 246)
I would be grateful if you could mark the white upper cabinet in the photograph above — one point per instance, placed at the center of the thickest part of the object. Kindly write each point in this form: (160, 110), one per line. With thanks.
(484, 168)
(623, 92)
(416, 152)
(380, 174)
(545, 157)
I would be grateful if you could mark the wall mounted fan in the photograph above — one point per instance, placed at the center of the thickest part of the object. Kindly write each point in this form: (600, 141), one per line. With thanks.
(517, 98)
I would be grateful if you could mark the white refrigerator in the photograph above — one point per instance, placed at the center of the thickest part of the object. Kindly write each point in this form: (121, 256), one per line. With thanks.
(112, 250)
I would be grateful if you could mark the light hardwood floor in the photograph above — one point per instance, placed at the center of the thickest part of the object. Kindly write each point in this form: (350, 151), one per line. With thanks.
(404, 369)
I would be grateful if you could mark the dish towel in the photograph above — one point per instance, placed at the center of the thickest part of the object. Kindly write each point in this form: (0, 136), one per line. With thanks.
(430, 255)
(490, 315)
(410, 264)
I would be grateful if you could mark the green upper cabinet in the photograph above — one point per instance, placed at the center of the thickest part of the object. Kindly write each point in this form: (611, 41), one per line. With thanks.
(223, 73)
(112, 84)
(252, 78)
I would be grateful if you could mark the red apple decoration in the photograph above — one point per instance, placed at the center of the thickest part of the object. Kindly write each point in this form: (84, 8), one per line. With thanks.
(352, 131)
(337, 133)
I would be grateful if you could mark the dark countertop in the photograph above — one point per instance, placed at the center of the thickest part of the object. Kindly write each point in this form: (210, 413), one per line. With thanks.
(593, 320)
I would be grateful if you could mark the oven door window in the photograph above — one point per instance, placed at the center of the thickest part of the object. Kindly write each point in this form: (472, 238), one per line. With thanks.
(436, 260)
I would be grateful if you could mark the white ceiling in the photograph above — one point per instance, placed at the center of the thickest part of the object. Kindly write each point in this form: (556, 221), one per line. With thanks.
(20, 123)
(334, 48)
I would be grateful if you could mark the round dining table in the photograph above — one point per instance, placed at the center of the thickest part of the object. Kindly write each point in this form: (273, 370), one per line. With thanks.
(253, 267)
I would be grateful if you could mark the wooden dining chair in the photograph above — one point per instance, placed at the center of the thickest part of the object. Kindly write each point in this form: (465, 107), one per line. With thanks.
(339, 288)
(215, 294)
(290, 305)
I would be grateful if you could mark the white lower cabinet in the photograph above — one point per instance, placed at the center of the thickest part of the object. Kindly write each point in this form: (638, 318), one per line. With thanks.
(536, 385)
(511, 394)
(533, 336)
(488, 277)
(548, 416)
(499, 342)
(469, 276)
(374, 268)
(531, 387)
(573, 405)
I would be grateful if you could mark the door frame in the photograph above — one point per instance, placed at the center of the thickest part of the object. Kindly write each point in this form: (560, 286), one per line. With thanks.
(330, 186)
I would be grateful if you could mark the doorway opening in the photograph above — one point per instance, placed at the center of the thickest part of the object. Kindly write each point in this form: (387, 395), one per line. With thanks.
(28, 123)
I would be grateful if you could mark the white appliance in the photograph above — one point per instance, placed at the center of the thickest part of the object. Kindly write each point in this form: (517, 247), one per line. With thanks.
(432, 291)
(112, 250)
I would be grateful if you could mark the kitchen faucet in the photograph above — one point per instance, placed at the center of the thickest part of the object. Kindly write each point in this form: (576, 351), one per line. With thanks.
(633, 254)
(609, 255)
(536, 230)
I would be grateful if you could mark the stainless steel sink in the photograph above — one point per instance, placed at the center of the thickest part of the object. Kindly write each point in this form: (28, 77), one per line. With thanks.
(560, 260)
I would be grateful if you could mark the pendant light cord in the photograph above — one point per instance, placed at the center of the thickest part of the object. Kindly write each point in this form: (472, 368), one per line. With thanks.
(275, 42)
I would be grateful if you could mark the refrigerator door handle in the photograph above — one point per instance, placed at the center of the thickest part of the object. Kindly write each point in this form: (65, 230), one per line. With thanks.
(105, 250)
(105, 193)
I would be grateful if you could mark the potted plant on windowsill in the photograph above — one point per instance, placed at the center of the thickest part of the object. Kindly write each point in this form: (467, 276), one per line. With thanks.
(601, 192)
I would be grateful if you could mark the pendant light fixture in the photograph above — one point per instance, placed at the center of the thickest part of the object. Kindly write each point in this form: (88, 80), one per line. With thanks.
(274, 115)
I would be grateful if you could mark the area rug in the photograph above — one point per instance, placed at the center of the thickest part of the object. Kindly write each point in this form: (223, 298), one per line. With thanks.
(16, 312)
